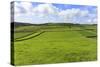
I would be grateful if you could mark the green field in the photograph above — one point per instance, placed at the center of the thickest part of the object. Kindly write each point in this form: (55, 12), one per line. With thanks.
(54, 44)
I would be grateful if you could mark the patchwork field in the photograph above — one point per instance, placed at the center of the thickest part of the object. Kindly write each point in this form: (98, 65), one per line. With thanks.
(54, 44)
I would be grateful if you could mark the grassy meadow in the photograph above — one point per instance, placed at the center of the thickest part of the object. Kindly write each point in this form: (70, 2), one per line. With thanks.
(54, 43)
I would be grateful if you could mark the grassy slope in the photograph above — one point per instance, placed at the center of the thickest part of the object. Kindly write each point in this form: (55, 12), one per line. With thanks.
(55, 47)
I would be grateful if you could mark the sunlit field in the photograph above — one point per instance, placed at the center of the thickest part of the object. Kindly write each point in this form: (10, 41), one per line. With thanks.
(46, 44)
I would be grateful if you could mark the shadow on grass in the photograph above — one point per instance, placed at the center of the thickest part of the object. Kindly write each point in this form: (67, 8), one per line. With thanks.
(30, 37)
(25, 35)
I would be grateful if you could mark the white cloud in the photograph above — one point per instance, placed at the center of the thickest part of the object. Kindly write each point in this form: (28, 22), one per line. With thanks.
(17, 8)
(27, 6)
(21, 7)
(25, 11)
(84, 12)
(77, 15)
(69, 14)
(95, 20)
(45, 9)
(40, 10)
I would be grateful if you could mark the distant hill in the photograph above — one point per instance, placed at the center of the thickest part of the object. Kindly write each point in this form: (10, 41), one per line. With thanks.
(18, 24)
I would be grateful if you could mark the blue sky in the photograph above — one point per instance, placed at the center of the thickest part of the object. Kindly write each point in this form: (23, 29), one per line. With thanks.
(37, 13)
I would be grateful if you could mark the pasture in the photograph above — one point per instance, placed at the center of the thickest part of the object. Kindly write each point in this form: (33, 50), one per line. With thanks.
(54, 44)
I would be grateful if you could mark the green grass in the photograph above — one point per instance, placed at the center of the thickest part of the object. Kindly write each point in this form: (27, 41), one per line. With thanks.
(21, 34)
(56, 46)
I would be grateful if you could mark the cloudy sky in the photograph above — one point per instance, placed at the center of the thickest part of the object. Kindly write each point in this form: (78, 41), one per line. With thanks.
(36, 13)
